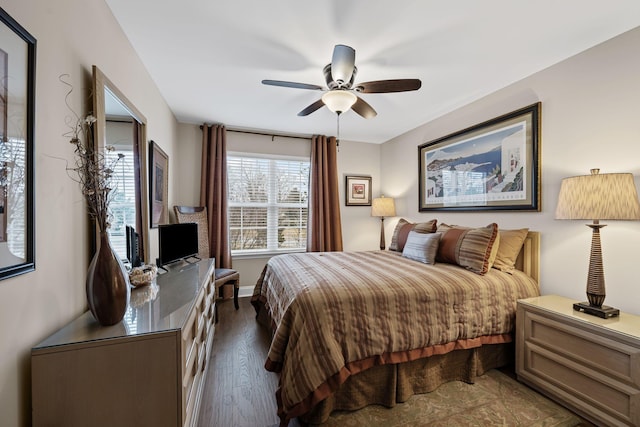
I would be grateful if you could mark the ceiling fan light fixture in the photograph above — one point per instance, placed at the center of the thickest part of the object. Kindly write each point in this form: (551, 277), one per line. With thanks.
(339, 101)
(340, 92)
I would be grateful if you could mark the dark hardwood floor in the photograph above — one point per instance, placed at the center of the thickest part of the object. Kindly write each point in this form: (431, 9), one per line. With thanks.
(238, 390)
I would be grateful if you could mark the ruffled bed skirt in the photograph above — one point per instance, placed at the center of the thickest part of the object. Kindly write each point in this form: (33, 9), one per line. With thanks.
(388, 385)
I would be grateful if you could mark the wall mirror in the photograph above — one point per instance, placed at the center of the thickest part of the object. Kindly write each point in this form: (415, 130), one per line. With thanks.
(121, 125)
(17, 106)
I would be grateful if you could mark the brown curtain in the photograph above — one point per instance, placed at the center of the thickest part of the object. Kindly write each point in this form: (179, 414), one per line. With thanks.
(213, 191)
(324, 229)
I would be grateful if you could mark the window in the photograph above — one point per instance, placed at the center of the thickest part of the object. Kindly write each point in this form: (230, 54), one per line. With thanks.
(12, 195)
(123, 200)
(267, 203)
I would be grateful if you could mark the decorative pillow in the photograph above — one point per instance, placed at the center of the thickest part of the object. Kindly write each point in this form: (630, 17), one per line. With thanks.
(401, 232)
(422, 247)
(467, 247)
(511, 242)
(494, 250)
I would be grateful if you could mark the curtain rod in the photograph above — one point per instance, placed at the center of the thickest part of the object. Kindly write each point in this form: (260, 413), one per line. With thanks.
(272, 135)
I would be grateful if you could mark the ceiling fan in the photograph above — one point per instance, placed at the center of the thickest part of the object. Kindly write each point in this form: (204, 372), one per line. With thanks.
(340, 94)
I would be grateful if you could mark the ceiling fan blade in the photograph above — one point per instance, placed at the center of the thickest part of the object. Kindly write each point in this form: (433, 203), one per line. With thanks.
(311, 108)
(364, 109)
(292, 84)
(386, 86)
(342, 63)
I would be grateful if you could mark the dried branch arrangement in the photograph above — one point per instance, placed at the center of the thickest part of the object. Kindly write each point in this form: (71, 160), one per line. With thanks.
(93, 168)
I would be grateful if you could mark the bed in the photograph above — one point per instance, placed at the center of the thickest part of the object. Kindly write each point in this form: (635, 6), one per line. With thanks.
(352, 329)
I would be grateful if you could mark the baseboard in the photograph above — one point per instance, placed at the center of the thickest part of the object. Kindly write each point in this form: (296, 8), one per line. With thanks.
(245, 291)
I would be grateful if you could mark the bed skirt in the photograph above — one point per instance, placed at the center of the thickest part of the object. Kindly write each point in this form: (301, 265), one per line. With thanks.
(388, 385)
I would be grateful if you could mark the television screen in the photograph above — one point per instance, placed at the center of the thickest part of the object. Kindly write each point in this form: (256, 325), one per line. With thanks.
(177, 241)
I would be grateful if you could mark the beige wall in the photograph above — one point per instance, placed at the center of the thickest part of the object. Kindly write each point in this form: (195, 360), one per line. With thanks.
(72, 35)
(187, 166)
(590, 116)
(360, 231)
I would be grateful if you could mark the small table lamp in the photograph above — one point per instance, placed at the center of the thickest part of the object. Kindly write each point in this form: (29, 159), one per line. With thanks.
(598, 196)
(383, 206)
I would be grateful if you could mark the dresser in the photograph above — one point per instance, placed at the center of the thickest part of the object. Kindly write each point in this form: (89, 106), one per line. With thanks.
(148, 370)
(589, 364)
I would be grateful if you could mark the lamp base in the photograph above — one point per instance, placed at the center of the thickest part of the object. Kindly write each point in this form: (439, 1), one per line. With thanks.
(605, 311)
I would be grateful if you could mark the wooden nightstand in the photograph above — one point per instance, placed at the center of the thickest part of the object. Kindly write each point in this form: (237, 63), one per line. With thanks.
(589, 364)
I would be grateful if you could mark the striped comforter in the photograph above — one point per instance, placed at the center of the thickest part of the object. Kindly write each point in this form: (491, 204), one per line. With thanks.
(337, 313)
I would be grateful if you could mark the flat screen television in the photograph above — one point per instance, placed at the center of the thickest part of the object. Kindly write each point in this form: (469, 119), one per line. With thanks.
(133, 251)
(177, 241)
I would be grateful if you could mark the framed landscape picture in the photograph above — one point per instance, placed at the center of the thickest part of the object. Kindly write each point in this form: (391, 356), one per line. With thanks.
(491, 166)
(357, 190)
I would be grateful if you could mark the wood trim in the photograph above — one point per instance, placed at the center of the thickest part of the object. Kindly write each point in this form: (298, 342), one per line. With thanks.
(101, 84)
(528, 259)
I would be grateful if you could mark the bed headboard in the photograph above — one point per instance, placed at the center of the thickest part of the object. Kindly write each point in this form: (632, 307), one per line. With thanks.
(529, 257)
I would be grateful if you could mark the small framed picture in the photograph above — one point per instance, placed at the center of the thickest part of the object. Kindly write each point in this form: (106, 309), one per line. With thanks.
(159, 191)
(357, 190)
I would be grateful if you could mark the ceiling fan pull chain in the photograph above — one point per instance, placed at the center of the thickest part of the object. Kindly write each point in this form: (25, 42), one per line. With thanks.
(338, 137)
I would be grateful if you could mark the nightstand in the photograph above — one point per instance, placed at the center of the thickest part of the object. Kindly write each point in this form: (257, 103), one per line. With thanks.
(590, 365)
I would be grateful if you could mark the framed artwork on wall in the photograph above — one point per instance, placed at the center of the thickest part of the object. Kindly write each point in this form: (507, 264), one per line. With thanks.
(159, 189)
(17, 109)
(357, 190)
(494, 165)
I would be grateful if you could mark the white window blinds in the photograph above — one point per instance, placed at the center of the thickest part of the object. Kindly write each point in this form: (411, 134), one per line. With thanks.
(123, 200)
(267, 203)
(12, 195)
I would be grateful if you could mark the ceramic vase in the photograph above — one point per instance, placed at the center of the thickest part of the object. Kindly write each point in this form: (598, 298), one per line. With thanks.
(107, 285)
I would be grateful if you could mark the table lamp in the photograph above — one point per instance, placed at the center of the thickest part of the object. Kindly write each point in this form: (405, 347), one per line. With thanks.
(383, 206)
(595, 197)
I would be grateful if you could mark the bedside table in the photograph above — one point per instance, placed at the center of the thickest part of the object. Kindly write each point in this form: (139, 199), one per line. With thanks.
(590, 365)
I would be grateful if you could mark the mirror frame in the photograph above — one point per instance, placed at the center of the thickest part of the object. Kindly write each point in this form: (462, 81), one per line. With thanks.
(101, 84)
(29, 77)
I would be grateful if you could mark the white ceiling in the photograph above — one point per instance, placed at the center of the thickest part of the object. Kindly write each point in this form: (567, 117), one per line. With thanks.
(208, 57)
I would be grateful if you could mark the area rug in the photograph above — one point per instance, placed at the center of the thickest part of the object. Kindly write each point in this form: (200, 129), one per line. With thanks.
(494, 400)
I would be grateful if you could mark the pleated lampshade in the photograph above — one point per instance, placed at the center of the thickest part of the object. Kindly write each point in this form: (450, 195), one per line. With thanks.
(598, 196)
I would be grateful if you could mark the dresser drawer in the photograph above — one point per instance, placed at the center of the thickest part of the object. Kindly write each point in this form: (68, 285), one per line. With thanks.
(192, 398)
(189, 335)
(578, 382)
(191, 370)
(595, 351)
(209, 311)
